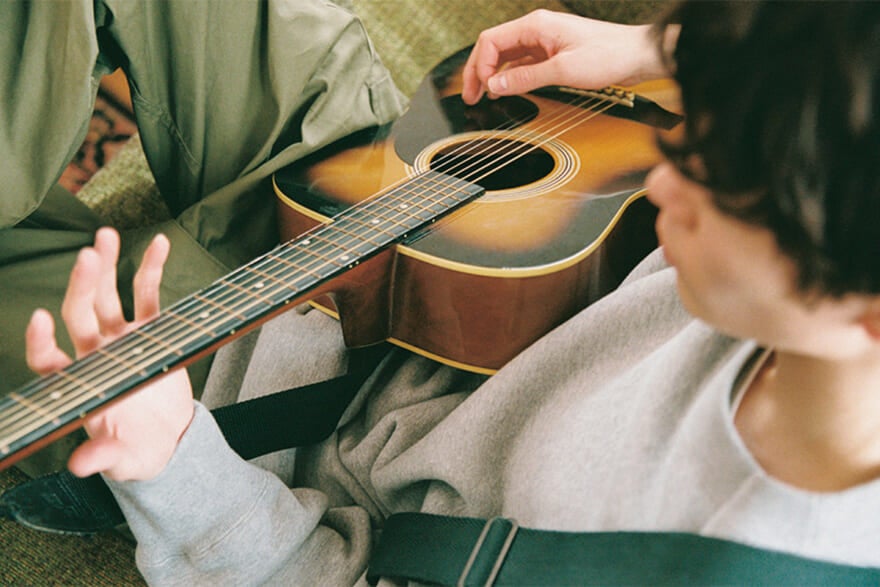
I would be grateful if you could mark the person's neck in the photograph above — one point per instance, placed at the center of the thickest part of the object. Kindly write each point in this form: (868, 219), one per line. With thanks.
(813, 423)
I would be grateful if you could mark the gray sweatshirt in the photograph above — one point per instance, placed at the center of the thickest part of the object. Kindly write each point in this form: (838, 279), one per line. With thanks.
(620, 419)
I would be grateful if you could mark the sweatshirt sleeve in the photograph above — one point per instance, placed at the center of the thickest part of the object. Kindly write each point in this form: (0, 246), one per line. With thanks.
(211, 517)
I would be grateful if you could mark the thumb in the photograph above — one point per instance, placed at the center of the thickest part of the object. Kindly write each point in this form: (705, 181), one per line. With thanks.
(96, 455)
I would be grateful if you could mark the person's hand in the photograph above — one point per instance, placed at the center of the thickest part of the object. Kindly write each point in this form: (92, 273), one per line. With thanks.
(546, 48)
(135, 437)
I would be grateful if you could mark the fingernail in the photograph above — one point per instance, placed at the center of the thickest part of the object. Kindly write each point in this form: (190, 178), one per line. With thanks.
(498, 83)
(39, 314)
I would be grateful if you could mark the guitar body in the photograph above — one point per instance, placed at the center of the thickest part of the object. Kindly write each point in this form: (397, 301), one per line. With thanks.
(554, 231)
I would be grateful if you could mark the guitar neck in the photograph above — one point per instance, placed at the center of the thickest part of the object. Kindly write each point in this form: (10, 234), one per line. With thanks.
(206, 319)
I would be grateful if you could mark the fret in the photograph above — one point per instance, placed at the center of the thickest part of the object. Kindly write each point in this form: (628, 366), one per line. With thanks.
(411, 210)
(298, 268)
(133, 367)
(137, 350)
(331, 259)
(373, 224)
(38, 414)
(340, 226)
(252, 290)
(288, 263)
(78, 381)
(270, 277)
(386, 228)
(35, 408)
(357, 241)
(220, 305)
(401, 222)
(195, 325)
(205, 314)
(327, 258)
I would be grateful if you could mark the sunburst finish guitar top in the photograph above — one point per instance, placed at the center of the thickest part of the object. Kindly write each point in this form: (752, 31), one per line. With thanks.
(463, 233)
(561, 221)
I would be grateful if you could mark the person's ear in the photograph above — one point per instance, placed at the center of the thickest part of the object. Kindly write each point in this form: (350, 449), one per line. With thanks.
(870, 320)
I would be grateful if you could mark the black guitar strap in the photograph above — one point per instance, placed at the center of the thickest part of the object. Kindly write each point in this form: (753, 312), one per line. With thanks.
(62, 502)
(446, 550)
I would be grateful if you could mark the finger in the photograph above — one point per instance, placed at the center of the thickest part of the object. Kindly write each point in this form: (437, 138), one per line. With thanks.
(97, 455)
(41, 350)
(481, 59)
(496, 49)
(524, 78)
(108, 307)
(78, 307)
(486, 58)
(148, 279)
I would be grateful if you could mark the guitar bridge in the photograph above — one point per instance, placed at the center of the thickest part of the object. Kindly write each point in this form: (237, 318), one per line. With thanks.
(610, 94)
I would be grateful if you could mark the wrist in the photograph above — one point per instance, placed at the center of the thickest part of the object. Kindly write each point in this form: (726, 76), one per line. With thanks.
(654, 52)
(174, 431)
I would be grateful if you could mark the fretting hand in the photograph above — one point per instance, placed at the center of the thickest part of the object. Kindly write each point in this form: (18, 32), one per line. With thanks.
(135, 437)
(549, 48)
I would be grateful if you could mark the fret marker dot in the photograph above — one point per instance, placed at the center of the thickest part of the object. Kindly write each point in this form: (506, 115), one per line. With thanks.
(137, 350)
(375, 221)
(259, 285)
(344, 258)
(55, 395)
(404, 206)
(307, 242)
(205, 314)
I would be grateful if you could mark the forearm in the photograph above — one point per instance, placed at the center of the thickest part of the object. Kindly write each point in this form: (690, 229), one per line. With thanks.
(212, 516)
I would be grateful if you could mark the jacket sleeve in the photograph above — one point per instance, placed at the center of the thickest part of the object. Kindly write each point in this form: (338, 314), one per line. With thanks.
(49, 73)
(212, 518)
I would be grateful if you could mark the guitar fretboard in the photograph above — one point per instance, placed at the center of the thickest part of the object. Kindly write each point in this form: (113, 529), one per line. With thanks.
(198, 322)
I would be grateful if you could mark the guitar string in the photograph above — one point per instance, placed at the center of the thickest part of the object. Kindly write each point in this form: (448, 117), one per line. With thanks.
(248, 295)
(257, 270)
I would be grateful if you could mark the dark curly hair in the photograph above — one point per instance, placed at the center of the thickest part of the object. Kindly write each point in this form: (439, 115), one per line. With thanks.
(782, 105)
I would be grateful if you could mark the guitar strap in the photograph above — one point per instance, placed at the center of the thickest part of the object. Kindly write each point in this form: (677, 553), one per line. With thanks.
(62, 502)
(446, 550)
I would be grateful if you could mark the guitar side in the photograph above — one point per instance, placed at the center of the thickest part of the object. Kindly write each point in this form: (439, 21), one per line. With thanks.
(547, 239)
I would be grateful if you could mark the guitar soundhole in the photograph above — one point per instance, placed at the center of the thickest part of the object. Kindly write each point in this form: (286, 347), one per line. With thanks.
(495, 164)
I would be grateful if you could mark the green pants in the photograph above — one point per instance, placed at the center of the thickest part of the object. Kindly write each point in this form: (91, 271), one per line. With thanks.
(225, 92)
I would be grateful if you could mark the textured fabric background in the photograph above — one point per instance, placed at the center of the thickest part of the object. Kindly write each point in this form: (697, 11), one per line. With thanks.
(411, 36)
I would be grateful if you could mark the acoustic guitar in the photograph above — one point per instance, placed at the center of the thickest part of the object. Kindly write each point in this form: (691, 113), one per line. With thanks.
(462, 233)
